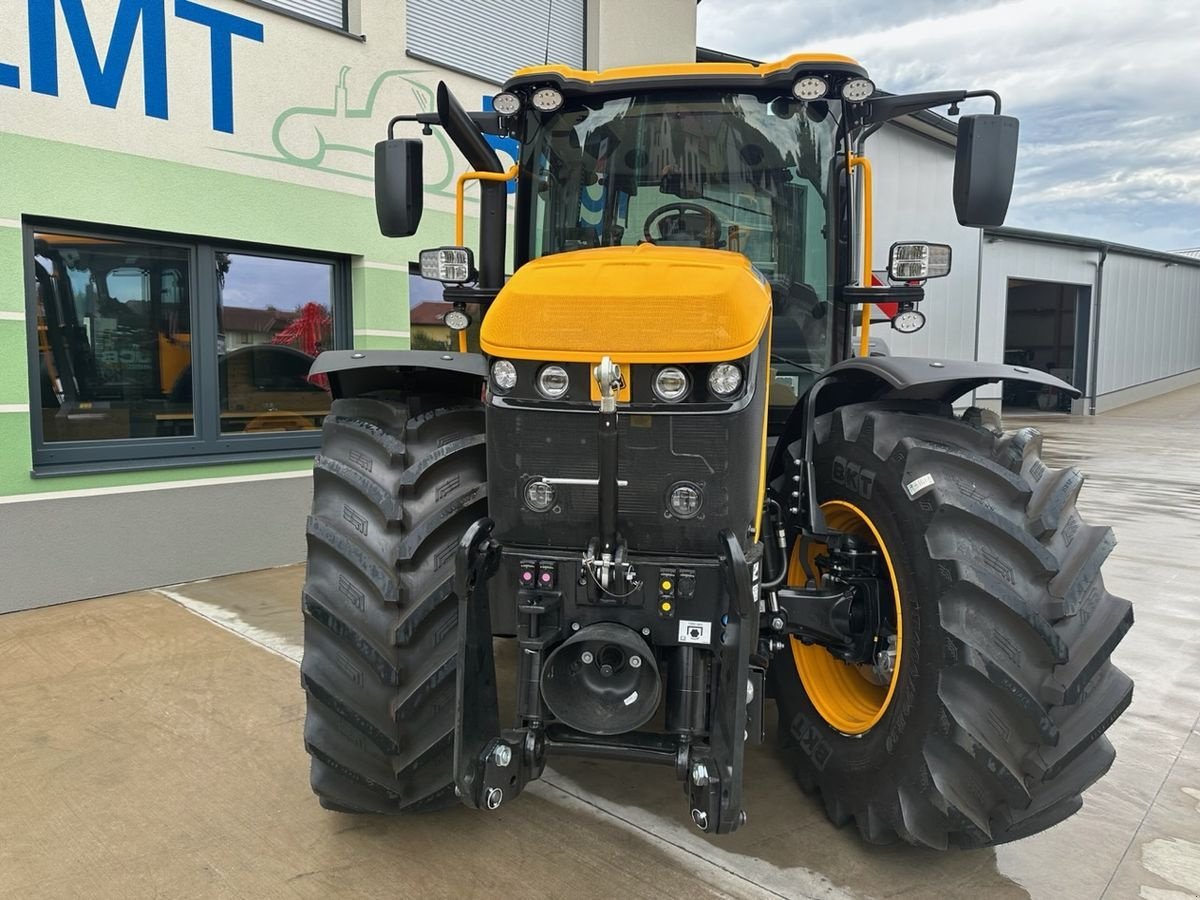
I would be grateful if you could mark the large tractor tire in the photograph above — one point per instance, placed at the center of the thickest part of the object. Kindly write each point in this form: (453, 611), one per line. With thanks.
(989, 724)
(395, 486)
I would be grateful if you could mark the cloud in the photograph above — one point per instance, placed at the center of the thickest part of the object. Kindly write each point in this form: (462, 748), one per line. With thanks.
(1107, 93)
(258, 282)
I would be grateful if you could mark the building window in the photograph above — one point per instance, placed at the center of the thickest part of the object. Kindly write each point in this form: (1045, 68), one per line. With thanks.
(326, 12)
(149, 350)
(273, 318)
(491, 40)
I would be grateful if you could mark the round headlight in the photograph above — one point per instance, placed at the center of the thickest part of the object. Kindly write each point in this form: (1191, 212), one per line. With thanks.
(810, 87)
(857, 89)
(504, 375)
(552, 382)
(539, 495)
(685, 499)
(725, 380)
(506, 104)
(671, 384)
(547, 99)
(457, 320)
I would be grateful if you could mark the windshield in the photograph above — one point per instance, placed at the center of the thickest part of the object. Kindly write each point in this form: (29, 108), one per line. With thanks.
(720, 170)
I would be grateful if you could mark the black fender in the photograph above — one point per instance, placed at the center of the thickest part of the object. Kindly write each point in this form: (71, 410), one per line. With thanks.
(915, 378)
(873, 378)
(353, 373)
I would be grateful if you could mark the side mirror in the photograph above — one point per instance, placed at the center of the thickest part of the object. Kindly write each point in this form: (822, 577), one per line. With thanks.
(985, 162)
(399, 186)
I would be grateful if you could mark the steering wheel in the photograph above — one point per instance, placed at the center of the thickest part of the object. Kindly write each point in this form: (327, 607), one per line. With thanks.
(712, 224)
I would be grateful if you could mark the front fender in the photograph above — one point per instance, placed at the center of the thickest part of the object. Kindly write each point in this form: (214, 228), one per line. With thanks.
(915, 378)
(874, 378)
(353, 373)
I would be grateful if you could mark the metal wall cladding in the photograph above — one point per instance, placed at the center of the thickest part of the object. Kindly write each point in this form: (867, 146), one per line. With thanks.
(1149, 321)
(1149, 316)
(331, 12)
(492, 40)
(719, 452)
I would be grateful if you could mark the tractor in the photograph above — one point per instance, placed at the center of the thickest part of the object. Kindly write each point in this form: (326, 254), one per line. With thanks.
(669, 469)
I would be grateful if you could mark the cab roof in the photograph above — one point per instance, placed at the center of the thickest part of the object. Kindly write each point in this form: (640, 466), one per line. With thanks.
(734, 75)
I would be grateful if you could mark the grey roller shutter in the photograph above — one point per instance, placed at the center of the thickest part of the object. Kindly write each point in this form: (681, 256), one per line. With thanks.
(492, 39)
(329, 12)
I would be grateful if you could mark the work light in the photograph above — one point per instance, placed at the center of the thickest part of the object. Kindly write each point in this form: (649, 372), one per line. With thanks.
(452, 265)
(913, 261)
(507, 104)
(908, 321)
(457, 320)
(810, 87)
(857, 90)
(547, 99)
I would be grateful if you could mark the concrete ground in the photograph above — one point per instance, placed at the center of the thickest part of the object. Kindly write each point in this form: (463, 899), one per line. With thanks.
(150, 745)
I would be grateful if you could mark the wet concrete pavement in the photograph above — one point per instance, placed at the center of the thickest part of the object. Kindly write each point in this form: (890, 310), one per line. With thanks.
(148, 752)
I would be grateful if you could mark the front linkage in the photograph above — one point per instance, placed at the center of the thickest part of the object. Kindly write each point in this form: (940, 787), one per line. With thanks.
(493, 765)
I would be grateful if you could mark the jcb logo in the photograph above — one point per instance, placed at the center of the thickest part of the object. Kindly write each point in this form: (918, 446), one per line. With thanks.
(853, 477)
(815, 747)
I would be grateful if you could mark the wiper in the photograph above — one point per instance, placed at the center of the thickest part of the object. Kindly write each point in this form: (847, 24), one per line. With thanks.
(775, 357)
(749, 209)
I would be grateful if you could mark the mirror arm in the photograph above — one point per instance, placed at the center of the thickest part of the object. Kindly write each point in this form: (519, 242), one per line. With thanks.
(487, 122)
(426, 120)
(883, 109)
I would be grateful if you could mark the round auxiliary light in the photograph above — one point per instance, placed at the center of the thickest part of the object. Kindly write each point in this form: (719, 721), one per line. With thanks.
(857, 90)
(504, 375)
(908, 321)
(457, 320)
(671, 384)
(552, 382)
(724, 380)
(547, 99)
(507, 104)
(685, 499)
(810, 87)
(539, 495)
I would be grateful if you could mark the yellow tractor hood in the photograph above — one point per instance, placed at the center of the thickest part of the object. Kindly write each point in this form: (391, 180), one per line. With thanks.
(643, 304)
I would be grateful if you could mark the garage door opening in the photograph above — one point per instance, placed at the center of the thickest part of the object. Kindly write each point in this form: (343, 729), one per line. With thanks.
(1046, 327)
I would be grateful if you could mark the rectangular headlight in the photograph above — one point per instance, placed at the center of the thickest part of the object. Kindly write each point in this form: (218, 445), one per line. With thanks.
(452, 265)
(913, 261)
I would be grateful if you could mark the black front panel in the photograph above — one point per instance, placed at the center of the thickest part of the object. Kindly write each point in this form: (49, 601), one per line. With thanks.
(675, 600)
(719, 452)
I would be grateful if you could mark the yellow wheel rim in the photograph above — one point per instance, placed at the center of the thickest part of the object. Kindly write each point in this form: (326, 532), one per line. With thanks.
(839, 691)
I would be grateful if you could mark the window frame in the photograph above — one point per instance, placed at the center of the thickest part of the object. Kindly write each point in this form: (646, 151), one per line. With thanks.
(343, 29)
(207, 443)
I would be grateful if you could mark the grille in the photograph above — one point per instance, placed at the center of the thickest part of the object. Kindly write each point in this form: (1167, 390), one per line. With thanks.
(719, 452)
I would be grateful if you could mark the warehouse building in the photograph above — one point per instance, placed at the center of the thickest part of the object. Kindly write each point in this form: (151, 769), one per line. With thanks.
(1120, 323)
(192, 220)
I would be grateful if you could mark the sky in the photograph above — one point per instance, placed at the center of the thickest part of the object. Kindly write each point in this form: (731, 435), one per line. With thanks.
(257, 282)
(1108, 93)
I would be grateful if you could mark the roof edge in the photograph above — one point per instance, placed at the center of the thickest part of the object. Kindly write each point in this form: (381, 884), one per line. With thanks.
(1071, 240)
(927, 124)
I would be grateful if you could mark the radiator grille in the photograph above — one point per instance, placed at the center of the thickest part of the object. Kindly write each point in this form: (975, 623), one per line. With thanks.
(719, 452)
